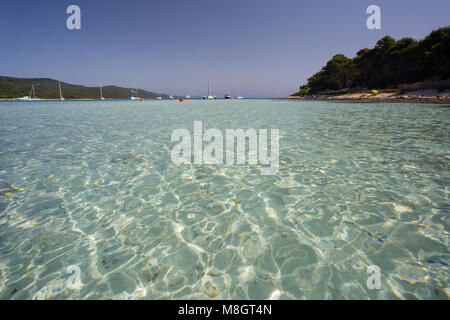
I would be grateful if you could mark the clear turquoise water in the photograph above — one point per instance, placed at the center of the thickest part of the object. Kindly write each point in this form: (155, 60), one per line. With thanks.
(92, 184)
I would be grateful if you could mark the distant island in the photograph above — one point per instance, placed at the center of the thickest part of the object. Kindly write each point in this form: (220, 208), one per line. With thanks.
(403, 69)
(46, 88)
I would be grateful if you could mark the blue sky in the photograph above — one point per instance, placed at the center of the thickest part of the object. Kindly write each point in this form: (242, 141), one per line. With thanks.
(267, 48)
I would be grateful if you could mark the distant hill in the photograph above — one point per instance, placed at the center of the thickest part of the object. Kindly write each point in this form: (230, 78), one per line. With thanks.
(48, 89)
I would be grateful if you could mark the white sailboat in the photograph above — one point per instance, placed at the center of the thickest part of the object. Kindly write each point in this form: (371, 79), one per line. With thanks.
(239, 95)
(60, 93)
(31, 97)
(101, 92)
(209, 90)
(134, 95)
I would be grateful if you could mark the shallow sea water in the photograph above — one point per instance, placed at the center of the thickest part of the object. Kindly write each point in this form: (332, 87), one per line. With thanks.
(92, 184)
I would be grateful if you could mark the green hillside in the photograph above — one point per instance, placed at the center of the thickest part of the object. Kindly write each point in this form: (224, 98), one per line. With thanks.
(387, 65)
(48, 89)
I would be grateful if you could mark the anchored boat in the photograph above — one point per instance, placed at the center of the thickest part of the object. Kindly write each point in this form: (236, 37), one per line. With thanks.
(60, 93)
(101, 93)
(134, 95)
(239, 95)
(31, 97)
(209, 90)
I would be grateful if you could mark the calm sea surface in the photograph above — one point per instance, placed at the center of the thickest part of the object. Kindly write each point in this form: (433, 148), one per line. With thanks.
(92, 185)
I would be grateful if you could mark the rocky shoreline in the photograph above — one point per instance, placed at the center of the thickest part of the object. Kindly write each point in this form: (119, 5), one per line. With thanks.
(422, 96)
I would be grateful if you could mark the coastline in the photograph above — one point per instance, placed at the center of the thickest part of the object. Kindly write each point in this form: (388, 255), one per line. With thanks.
(81, 99)
(418, 96)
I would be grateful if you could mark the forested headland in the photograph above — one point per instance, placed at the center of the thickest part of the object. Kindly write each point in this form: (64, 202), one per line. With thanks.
(386, 66)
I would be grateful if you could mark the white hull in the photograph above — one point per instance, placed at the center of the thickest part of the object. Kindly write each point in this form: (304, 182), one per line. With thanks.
(29, 99)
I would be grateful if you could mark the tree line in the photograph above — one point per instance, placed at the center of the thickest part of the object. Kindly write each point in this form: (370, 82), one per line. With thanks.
(387, 65)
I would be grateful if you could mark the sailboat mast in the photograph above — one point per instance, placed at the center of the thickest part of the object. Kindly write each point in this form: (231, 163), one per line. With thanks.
(60, 94)
(209, 87)
(32, 91)
(101, 93)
